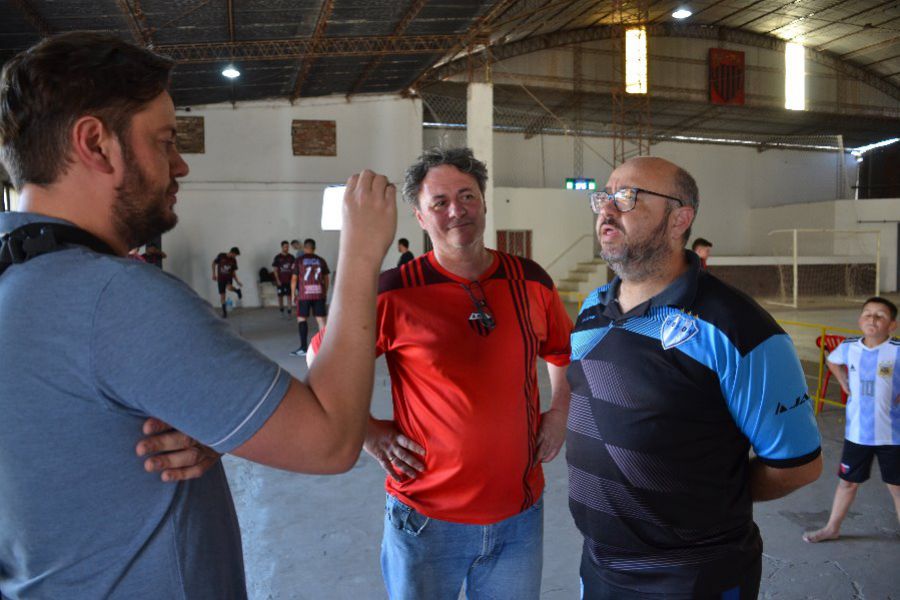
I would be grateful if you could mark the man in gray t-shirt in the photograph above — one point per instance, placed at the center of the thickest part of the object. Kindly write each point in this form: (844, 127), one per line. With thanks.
(88, 134)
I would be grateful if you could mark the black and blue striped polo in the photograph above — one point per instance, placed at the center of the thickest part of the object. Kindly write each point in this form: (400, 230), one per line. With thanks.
(667, 401)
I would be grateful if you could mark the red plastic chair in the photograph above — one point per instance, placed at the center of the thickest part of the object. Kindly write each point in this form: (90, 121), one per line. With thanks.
(831, 342)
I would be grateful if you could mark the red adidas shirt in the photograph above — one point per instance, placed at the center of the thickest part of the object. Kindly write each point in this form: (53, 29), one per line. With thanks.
(467, 394)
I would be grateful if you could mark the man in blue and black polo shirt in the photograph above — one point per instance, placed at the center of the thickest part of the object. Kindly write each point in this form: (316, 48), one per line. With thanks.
(675, 376)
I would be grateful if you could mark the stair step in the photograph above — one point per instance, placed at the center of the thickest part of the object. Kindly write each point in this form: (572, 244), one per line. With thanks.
(571, 296)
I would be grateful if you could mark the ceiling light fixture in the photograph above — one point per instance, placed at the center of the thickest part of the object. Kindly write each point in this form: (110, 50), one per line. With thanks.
(230, 72)
(682, 13)
(636, 60)
(794, 77)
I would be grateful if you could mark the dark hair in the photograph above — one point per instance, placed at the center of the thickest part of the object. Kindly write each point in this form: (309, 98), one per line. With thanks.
(294, 242)
(701, 243)
(309, 242)
(686, 188)
(403, 242)
(283, 242)
(235, 250)
(461, 158)
(892, 308)
(47, 88)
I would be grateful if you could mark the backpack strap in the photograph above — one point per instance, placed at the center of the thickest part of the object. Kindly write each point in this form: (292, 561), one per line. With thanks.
(34, 239)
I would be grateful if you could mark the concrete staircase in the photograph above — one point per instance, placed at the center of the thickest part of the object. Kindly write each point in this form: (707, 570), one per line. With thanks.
(582, 280)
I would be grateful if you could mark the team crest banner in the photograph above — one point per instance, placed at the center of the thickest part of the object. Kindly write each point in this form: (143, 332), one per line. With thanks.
(726, 77)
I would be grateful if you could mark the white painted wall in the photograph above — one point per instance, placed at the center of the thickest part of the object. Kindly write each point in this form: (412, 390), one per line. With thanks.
(558, 218)
(771, 178)
(881, 215)
(252, 143)
(812, 215)
(248, 190)
(732, 179)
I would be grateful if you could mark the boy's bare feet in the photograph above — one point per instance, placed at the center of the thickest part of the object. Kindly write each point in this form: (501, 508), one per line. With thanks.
(821, 535)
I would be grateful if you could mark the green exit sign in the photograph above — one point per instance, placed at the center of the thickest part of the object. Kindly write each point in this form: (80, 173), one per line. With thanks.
(575, 183)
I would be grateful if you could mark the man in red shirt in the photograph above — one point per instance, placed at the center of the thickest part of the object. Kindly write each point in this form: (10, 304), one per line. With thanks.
(461, 328)
(283, 271)
(701, 248)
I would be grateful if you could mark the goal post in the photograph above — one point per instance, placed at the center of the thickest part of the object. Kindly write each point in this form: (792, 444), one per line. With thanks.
(824, 266)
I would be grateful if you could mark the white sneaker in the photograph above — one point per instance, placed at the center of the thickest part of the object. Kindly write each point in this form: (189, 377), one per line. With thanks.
(299, 352)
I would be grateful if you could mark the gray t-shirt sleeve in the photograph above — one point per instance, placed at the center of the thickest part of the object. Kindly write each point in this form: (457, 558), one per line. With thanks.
(159, 350)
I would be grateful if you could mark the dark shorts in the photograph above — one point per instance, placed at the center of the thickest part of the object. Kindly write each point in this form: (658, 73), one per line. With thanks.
(594, 587)
(284, 289)
(318, 308)
(223, 284)
(856, 462)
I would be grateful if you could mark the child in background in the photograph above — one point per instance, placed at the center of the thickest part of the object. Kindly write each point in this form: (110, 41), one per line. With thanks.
(868, 369)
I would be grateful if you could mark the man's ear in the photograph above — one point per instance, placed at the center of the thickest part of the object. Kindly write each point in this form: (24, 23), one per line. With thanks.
(683, 217)
(94, 145)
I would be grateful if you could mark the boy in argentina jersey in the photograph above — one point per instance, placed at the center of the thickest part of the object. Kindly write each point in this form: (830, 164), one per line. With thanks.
(868, 369)
(675, 376)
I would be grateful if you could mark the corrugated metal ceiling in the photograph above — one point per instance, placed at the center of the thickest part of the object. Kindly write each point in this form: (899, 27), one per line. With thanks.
(861, 33)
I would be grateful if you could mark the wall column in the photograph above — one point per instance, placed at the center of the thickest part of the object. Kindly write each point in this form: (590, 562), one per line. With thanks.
(480, 138)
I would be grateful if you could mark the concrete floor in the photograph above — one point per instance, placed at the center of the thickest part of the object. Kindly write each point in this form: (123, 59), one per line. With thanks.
(313, 537)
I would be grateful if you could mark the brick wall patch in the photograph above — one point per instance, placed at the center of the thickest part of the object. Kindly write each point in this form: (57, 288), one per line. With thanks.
(313, 138)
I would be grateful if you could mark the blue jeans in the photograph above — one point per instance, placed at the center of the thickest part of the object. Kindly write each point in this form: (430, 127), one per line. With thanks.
(427, 559)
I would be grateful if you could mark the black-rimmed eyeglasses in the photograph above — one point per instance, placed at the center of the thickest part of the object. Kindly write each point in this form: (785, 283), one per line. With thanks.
(624, 199)
(482, 310)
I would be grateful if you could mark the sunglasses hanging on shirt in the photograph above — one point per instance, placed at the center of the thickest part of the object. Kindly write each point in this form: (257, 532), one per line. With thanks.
(482, 314)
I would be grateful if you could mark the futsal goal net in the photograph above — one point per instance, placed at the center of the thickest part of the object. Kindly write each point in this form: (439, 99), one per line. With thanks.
(818, 267)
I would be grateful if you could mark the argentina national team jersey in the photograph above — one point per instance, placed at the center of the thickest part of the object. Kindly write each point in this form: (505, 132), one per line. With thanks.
(667, 401)
(873, 413)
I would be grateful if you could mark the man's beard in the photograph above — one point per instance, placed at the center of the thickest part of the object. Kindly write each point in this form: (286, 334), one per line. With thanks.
(140, 214)
(641, 260)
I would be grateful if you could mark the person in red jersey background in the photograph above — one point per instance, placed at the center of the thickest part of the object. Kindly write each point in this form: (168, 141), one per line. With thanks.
(310, 286)
(283, 272)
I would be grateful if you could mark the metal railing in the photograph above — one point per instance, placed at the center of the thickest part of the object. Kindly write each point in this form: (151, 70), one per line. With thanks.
(567, 250)
(822, 330)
